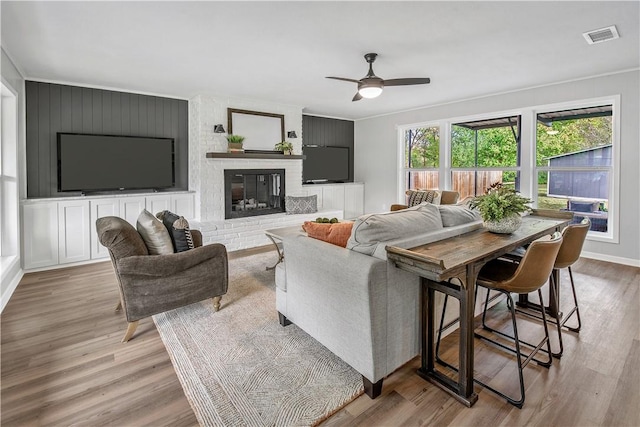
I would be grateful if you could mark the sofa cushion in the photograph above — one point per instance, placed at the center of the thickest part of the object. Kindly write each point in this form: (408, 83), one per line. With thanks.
(179, 231)
(370, 230)
(154, 233)
(301, 205)
(453, 215)
(419, 196)
(336, 234)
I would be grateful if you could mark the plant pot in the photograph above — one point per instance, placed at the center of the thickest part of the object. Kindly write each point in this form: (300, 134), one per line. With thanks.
(504, 226)
(234, 146)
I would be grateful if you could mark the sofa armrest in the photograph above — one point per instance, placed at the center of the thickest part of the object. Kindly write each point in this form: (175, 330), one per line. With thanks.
(165, 265)
(398, 207)
(339, 297)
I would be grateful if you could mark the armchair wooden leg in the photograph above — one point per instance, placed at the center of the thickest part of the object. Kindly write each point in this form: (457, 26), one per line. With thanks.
(119, 306)
(130, 330)
(216, 303)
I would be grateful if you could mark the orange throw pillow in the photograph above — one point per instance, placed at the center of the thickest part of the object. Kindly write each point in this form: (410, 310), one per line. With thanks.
(336, 234)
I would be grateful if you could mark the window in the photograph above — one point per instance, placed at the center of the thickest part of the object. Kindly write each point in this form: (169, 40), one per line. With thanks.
(421, 157)
(574, 162)
(9, 230)
(483, 153)
(562, 156)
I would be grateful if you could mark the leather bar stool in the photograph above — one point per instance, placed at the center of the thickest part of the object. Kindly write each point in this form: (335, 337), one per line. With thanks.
(508, 277)
(573, 236)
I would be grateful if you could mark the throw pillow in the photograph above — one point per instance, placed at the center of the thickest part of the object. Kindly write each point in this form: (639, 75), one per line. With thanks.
(371, 230)
(418, 196)
(300, 205)
(336, 234)
(453, 215)
(154, 234)
(179, 231)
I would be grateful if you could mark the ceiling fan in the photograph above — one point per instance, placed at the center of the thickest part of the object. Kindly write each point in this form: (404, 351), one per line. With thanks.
(371, 85)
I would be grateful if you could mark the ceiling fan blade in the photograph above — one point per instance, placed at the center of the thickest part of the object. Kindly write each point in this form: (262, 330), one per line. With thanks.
(357, 97)
(344, 79)
(405, 82)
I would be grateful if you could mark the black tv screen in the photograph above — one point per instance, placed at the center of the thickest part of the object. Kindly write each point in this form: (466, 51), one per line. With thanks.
(325, 163)
(105, 162)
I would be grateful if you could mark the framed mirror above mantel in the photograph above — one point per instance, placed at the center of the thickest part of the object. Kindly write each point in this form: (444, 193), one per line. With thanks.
(262, 131)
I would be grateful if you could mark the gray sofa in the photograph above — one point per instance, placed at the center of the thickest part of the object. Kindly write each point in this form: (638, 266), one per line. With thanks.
(355, 302)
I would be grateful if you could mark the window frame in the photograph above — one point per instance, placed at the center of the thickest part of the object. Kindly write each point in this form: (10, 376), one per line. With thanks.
(612, 235)
(403, 170)
(528, 168)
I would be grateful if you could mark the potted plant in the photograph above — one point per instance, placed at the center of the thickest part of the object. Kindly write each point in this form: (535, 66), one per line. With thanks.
(234, 142)
(501, 208)
(285, 146)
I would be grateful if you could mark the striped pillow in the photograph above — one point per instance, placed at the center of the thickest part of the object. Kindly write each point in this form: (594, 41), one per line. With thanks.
(418, 196)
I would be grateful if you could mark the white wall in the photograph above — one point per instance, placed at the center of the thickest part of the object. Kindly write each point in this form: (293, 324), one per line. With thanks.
(376, 147)
(11, 272)
(206, 176)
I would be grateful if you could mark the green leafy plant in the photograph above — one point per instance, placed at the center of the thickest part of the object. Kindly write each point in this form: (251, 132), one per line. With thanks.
(500, 202)
(235, 139)
(284, 146)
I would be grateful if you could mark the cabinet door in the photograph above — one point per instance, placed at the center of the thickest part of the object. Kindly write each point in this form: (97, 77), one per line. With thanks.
(333, 197)
(40, 235)
(101, 208)
(353, 200)
(74, 237)
(130, 208)
(155, 204)
(317, 191)
(183, 205)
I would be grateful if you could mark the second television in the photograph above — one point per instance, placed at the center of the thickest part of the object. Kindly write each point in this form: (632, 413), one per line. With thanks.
(325, 164)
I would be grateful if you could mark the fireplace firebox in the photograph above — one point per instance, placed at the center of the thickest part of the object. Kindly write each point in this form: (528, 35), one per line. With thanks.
(251, 192)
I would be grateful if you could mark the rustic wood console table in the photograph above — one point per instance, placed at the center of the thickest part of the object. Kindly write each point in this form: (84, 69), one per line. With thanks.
(461, 258)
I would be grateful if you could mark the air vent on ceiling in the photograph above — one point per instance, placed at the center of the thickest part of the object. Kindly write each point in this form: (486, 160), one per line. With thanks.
(601, 35)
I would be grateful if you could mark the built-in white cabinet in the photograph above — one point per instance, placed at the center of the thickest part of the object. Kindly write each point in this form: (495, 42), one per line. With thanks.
(74, 231)
(63, 231)
(155, 204)
(130, 208)
(40, 235)
(185, 204)
(353, 200)
(101, 208)
(347, 197)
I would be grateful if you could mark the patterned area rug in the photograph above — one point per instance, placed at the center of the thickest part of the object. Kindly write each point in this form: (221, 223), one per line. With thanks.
(240, 367)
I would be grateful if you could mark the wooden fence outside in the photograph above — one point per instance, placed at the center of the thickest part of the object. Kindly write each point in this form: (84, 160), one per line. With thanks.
(463, 181)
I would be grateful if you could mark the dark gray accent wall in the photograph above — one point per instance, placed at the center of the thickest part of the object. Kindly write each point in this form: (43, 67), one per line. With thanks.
(323, 131)
(53, 108)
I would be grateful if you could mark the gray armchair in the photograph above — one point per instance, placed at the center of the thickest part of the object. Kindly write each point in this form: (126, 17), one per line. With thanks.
(152, 284)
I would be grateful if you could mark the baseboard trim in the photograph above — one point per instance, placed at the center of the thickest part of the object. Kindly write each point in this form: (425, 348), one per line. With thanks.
(71, 264)
(10, 289)
(610, 258)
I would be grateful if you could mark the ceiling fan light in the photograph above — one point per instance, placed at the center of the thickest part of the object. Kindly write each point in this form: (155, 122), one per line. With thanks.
(370, 91)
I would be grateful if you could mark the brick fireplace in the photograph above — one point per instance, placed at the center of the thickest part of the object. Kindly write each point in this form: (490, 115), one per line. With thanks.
(206, 175)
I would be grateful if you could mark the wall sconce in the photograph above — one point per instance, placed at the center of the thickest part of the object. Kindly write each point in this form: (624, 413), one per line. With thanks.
(292, 134)
(218, 129)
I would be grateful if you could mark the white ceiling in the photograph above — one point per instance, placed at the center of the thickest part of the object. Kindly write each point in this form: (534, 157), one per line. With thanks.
(282, 51)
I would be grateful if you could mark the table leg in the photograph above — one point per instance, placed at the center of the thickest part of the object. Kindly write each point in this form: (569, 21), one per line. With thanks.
(280, 254)
(467, 306)
(463, 389)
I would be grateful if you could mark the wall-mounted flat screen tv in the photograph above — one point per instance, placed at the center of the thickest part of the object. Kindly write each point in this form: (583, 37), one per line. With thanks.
(325, 164)
(106, 162)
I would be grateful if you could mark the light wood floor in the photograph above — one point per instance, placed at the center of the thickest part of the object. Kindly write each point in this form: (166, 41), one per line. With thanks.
(63, 364)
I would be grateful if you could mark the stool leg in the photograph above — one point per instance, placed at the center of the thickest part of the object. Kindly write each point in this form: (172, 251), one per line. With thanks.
(555, 294)
(576, 309)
